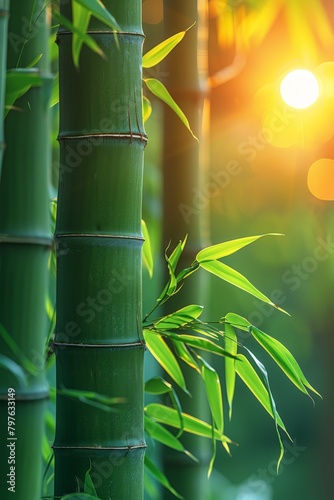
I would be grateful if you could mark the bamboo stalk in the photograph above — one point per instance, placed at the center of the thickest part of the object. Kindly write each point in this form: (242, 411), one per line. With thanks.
(4, 15)
(25, 242)
(185, 206)
(98, 341)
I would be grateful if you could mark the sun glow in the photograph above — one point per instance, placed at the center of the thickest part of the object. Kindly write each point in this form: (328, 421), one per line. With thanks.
(299, 88)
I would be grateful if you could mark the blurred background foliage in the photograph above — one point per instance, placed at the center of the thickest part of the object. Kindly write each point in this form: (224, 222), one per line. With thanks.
(251, 45)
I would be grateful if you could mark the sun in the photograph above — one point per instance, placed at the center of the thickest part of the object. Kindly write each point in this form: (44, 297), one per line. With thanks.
(299, 88)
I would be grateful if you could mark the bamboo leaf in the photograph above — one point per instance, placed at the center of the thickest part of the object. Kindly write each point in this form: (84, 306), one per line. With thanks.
(164, 436)
(91, 398)
(158, 386)
(214, 453)
(34, 61)
(193, 425)
(265, 378)
(213, 393)
(159, 90)
(285, 360)
(176, 253)
(147, 249)
(81, 17)
(249, 376)
(160, 476)
(180, 317)
(237, 321)
(165, 357)
(25, 362)
(55, 91)
(160, 51)
(18, 82)
(232, 276)
(215, 252)
(231, 345)
(184, 354)
(281, 355)
(198, 343)
(82, 36)
(89, 487)
(147, 109)
(99, 11)
(15, 369)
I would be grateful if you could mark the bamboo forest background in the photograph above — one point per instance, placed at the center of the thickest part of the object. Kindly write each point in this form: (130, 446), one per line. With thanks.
(244, 178)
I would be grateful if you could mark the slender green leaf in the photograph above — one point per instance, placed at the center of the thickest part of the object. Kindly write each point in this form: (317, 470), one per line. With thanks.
(237, 321)
(281, 355)
(165, 357)
(198, 343)
(164, 436)
(82, 36)
(25, 362)
(89, 487)
(91, 398)
(231, 345)
(183, 353)
(249, 376)
(176, 253)
(18, 82)
(55, 91)
(34, 61)
(213, 393)
(193, 425)
(180, 317)
(147, 109)
(159, 90)
(214, 453)
(15, 369)
(232, 276)
(147, 249)
(97, 8)
(160, 477)
(187, 271)
(81, 17)
(265, 378)
(228, 247)
(160, 51)
(285, 360)
(158, 386)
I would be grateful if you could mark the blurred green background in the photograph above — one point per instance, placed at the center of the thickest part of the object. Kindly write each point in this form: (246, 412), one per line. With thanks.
(269, 193)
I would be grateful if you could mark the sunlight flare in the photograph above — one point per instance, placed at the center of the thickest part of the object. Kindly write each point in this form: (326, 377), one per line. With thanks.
(299, 88)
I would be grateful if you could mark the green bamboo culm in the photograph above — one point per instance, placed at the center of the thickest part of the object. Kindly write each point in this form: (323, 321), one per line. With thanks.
(4, 15)
(185, 210)
(25, 242)
(98, 341)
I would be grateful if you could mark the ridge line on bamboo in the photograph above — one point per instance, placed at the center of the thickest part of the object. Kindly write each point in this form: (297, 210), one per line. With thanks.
(105, 32)
(123, 448)
(93, 235)
(121, 135)
(140, 344)
(30, 240)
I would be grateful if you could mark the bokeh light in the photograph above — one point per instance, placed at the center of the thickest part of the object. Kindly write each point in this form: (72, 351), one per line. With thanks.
(299, 88)
(320, 179)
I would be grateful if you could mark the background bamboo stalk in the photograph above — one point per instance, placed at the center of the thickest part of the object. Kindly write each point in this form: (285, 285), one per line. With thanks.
(24, 250)
(98, 342)
(185, 207)
(4, 15)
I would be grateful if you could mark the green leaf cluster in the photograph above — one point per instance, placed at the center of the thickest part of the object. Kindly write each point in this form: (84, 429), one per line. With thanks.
(181, 337)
